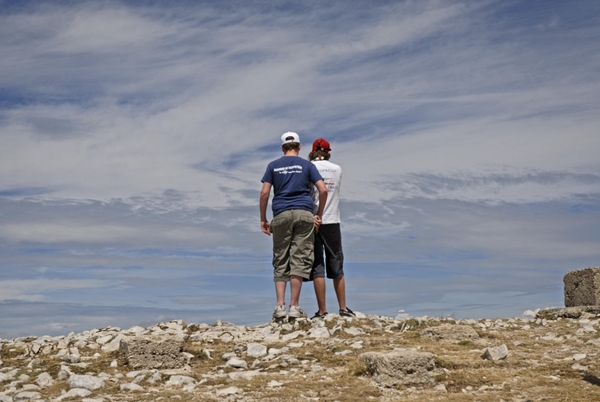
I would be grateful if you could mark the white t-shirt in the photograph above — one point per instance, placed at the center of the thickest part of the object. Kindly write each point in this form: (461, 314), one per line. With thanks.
(332, 176)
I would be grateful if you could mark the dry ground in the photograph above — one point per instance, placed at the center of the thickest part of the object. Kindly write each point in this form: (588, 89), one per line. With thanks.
(536, 369)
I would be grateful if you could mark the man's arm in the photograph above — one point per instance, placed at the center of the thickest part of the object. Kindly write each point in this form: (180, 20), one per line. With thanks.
(322, 200)
(264, 200)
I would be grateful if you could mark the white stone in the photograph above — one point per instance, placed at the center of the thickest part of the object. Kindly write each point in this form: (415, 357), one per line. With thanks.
(113, 345)
(236, 362)
(228, 355)
(26, 396)
(226, 337)
(75, 393)
(256, 350)
(495, 353)
(188, 357)
(104, 339)
(243, 375)
(293, 335)
(180, 380)
(136, 330)
(154, 378)
(273, 384)
(114, 363)
(354, 331)
(44, 379)
(271, 338)
(228, 391)
(131, 387)
(578, 366)
(85, 381)
(357, 345)
(319, 333)
(579, 356)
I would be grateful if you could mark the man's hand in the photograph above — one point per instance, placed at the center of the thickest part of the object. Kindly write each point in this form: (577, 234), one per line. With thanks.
(265, 228)
(317, 223)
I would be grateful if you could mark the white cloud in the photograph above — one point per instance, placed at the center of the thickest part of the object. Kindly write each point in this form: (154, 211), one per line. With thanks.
(37, 289)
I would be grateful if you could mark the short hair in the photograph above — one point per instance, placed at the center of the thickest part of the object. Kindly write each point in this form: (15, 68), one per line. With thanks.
(290, 145)
(319, 155)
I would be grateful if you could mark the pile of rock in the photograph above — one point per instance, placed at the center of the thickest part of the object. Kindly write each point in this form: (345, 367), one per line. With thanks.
(335, 358)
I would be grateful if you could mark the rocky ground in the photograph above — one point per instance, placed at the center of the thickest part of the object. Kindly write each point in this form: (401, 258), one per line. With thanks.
(336, 359)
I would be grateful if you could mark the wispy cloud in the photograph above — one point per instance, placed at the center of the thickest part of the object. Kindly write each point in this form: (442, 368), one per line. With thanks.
(134, 136)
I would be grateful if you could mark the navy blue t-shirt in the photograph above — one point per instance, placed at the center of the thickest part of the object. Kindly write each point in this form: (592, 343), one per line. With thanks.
(292, 178)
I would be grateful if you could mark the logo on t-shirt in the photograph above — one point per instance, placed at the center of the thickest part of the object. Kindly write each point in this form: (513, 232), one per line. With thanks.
(288, 169)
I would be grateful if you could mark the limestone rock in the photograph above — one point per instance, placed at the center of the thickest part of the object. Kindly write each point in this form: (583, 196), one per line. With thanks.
(44, 379)
(153, 351)
(236, 362)
(228, 391)
(26, 396)
(256, 350)
(567, 312)
(85, 381)
(180, 380)
(582, 287)
(402, 366)
(495, 353)
(450, 333)
(75, 393)
(131, 387)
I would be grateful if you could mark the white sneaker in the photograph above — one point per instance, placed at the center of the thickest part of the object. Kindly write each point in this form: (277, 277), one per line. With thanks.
(279, 312)
(296, 312)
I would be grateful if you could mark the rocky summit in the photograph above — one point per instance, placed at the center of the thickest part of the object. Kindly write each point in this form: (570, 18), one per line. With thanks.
(547, 355)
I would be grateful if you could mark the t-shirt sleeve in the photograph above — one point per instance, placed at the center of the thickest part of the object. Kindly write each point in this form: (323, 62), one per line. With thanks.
(268, 176)
(314, 174)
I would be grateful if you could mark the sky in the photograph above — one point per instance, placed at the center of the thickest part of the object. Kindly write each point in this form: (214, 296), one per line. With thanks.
(134, 136)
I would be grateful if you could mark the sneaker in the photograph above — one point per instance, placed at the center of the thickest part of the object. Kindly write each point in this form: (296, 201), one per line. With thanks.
(347, 313)
(279, 313)
(317, 315)
(296, 312)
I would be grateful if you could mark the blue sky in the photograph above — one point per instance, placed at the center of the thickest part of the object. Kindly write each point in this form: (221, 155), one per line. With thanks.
(134, 136)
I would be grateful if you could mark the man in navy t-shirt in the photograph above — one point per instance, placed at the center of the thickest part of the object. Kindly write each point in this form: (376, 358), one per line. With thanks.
(293, 224)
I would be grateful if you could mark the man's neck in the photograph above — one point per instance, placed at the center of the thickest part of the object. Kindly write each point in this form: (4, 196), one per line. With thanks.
(291, 152)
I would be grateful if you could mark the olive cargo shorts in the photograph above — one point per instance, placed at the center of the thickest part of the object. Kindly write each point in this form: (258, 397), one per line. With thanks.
(293, 243)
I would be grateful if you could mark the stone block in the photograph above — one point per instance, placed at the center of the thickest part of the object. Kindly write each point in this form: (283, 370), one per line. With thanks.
(401, 366)
(146, 352)
(582, 287)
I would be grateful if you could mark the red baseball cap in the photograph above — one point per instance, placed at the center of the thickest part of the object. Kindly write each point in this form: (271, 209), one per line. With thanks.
(321, 144)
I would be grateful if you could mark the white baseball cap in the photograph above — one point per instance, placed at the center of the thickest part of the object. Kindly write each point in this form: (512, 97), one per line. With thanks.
(286, 140)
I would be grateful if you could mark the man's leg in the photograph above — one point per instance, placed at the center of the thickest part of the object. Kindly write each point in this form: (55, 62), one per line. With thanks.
(318, 275)
(295, 288)
(301, 257)
(319, 284)
(280, 292)
(334, 257)
(281, 229)
(339, 285)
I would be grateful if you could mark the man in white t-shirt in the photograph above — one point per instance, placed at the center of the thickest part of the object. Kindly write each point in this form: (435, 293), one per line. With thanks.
(328, 240)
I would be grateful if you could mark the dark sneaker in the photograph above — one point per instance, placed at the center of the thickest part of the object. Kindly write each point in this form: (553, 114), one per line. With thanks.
(279, 313)
(317, 316)
(296, 312)
(347, 313)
